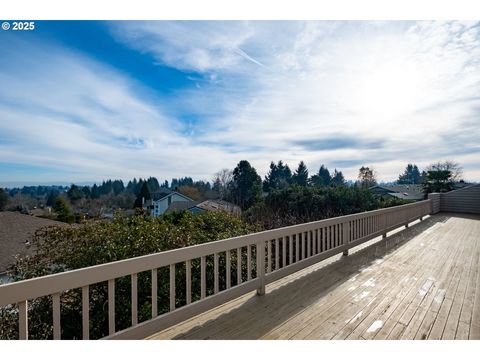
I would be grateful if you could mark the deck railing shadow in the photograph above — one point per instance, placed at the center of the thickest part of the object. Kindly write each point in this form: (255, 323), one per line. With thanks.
(259, 315)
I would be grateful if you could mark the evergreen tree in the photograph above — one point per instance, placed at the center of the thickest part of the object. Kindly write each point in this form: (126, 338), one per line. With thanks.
(64, 213)
(74, 193)
(118, 187)
(411, 175)
(322, 178)
(143, 195)
(95, 192)
(337, 178)
(246, 185)
(51, 198)
(279, 177)
(300, 177)
(3, 199)
(153, 184)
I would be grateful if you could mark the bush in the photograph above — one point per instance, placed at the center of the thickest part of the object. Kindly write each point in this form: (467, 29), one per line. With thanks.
(93, 243)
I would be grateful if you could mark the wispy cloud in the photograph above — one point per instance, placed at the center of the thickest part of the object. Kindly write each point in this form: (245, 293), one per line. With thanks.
(339, 93)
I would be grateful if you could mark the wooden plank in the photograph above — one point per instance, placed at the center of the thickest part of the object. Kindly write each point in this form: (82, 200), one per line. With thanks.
(56, 316)
(134, 296)
(172, 287)
(284, 251)
(277, 254)
(85, 313)
(23, 320)
(228, 271)
(269, 256)
(188, 276)
(290, 250)
(202, 278)
(249, 263)
(111, 306)
(154, 293)
(474, 333)
(297, 248)
(239, 266)
(215, 274)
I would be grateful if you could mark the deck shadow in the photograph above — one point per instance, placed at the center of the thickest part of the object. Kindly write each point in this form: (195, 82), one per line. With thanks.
(282, 303)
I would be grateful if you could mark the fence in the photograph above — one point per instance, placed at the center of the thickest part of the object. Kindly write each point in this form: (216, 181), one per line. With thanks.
(277, 253)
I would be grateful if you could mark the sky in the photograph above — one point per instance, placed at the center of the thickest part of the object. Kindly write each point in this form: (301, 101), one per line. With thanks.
(83, 101)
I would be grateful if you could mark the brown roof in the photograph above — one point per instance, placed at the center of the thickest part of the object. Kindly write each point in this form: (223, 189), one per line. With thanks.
(15, 230)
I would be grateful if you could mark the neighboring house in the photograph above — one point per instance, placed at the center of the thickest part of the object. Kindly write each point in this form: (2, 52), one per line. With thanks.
(196, 207)
(405, 192)
(16, 231)
(162, 200)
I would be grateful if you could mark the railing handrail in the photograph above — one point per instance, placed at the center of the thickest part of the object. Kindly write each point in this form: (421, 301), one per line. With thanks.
(344, 232)
(49, 284)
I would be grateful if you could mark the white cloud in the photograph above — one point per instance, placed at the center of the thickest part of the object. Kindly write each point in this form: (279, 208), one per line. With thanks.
(386, 93)
(406, 84)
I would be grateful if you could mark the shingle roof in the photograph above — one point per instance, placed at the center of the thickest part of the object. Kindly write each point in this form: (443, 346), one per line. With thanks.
(181, 205)
(15, 230)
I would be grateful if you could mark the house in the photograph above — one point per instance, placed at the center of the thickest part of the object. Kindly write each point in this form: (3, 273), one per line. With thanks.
(202, 206)
(406, 192)
(160, 201)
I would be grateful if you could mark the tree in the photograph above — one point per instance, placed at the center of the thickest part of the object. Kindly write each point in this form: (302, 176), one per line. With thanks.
(63, 211)
(118, 187)
(221, 182)
(246, 187)
(411, 175)
(441, 176)
(3, 199)
(455, 169)
(300, 177)
(279, 177)
(322, 178)
(52, 198)
(367, 177)
(337, 178)
(143, 195)
(74, 193)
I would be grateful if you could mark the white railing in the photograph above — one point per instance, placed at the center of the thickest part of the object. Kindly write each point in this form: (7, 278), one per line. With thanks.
(278, 253)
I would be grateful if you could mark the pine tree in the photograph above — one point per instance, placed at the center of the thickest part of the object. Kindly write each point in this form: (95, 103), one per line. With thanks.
(143, 195)
(300, 177)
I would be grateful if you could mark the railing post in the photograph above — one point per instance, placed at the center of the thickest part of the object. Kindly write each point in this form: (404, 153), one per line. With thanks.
(261, 267)
(346, 236)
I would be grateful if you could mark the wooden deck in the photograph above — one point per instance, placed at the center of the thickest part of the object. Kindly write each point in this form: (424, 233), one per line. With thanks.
(420, 283)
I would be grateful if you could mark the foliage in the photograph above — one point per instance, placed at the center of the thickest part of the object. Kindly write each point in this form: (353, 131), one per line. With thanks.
(246, 185)
(441, 176)
(99, 242)
(74, 193)
(63, 210)
(322, 178)
(411, 175)
(143, 195)
(367, 177)
(337, 178)
(221, 183)
(300, 177)
(278, 177)
(3, 199)
(297, 205)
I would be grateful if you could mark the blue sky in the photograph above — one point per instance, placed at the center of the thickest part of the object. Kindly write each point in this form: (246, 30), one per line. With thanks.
(84, 101)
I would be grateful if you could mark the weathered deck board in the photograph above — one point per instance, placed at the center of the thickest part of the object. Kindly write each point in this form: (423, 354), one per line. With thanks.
(420, 283)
